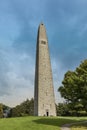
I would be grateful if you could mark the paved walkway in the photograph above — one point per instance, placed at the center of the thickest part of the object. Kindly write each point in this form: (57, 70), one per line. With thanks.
(67, 126)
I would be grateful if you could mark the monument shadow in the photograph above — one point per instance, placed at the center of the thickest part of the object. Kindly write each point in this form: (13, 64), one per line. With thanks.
(55, 121)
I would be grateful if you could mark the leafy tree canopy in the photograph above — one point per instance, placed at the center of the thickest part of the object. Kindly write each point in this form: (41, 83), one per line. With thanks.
(74, 87)
(24, 109)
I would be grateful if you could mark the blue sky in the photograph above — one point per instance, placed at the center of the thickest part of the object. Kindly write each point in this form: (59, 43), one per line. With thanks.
(66, 25)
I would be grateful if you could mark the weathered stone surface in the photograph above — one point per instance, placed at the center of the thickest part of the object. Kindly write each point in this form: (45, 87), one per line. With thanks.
(44, 104)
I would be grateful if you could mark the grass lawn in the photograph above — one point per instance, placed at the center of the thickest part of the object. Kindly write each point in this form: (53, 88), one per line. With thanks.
(36, 123)
(82, 126)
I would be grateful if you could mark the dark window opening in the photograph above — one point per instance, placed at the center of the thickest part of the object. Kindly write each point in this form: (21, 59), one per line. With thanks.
(43, 42)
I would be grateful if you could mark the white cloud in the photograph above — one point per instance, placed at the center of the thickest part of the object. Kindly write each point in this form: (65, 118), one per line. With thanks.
(16, 77)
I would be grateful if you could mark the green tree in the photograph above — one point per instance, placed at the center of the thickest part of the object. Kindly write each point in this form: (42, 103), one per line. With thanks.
(62, 109)
(24, 109)
(1, 111)
(74, 87)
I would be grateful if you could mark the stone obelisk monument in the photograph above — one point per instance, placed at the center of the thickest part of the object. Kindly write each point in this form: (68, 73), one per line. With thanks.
(44, 102)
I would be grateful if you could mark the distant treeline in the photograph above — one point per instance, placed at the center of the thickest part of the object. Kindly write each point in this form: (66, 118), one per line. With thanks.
(26, 108)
